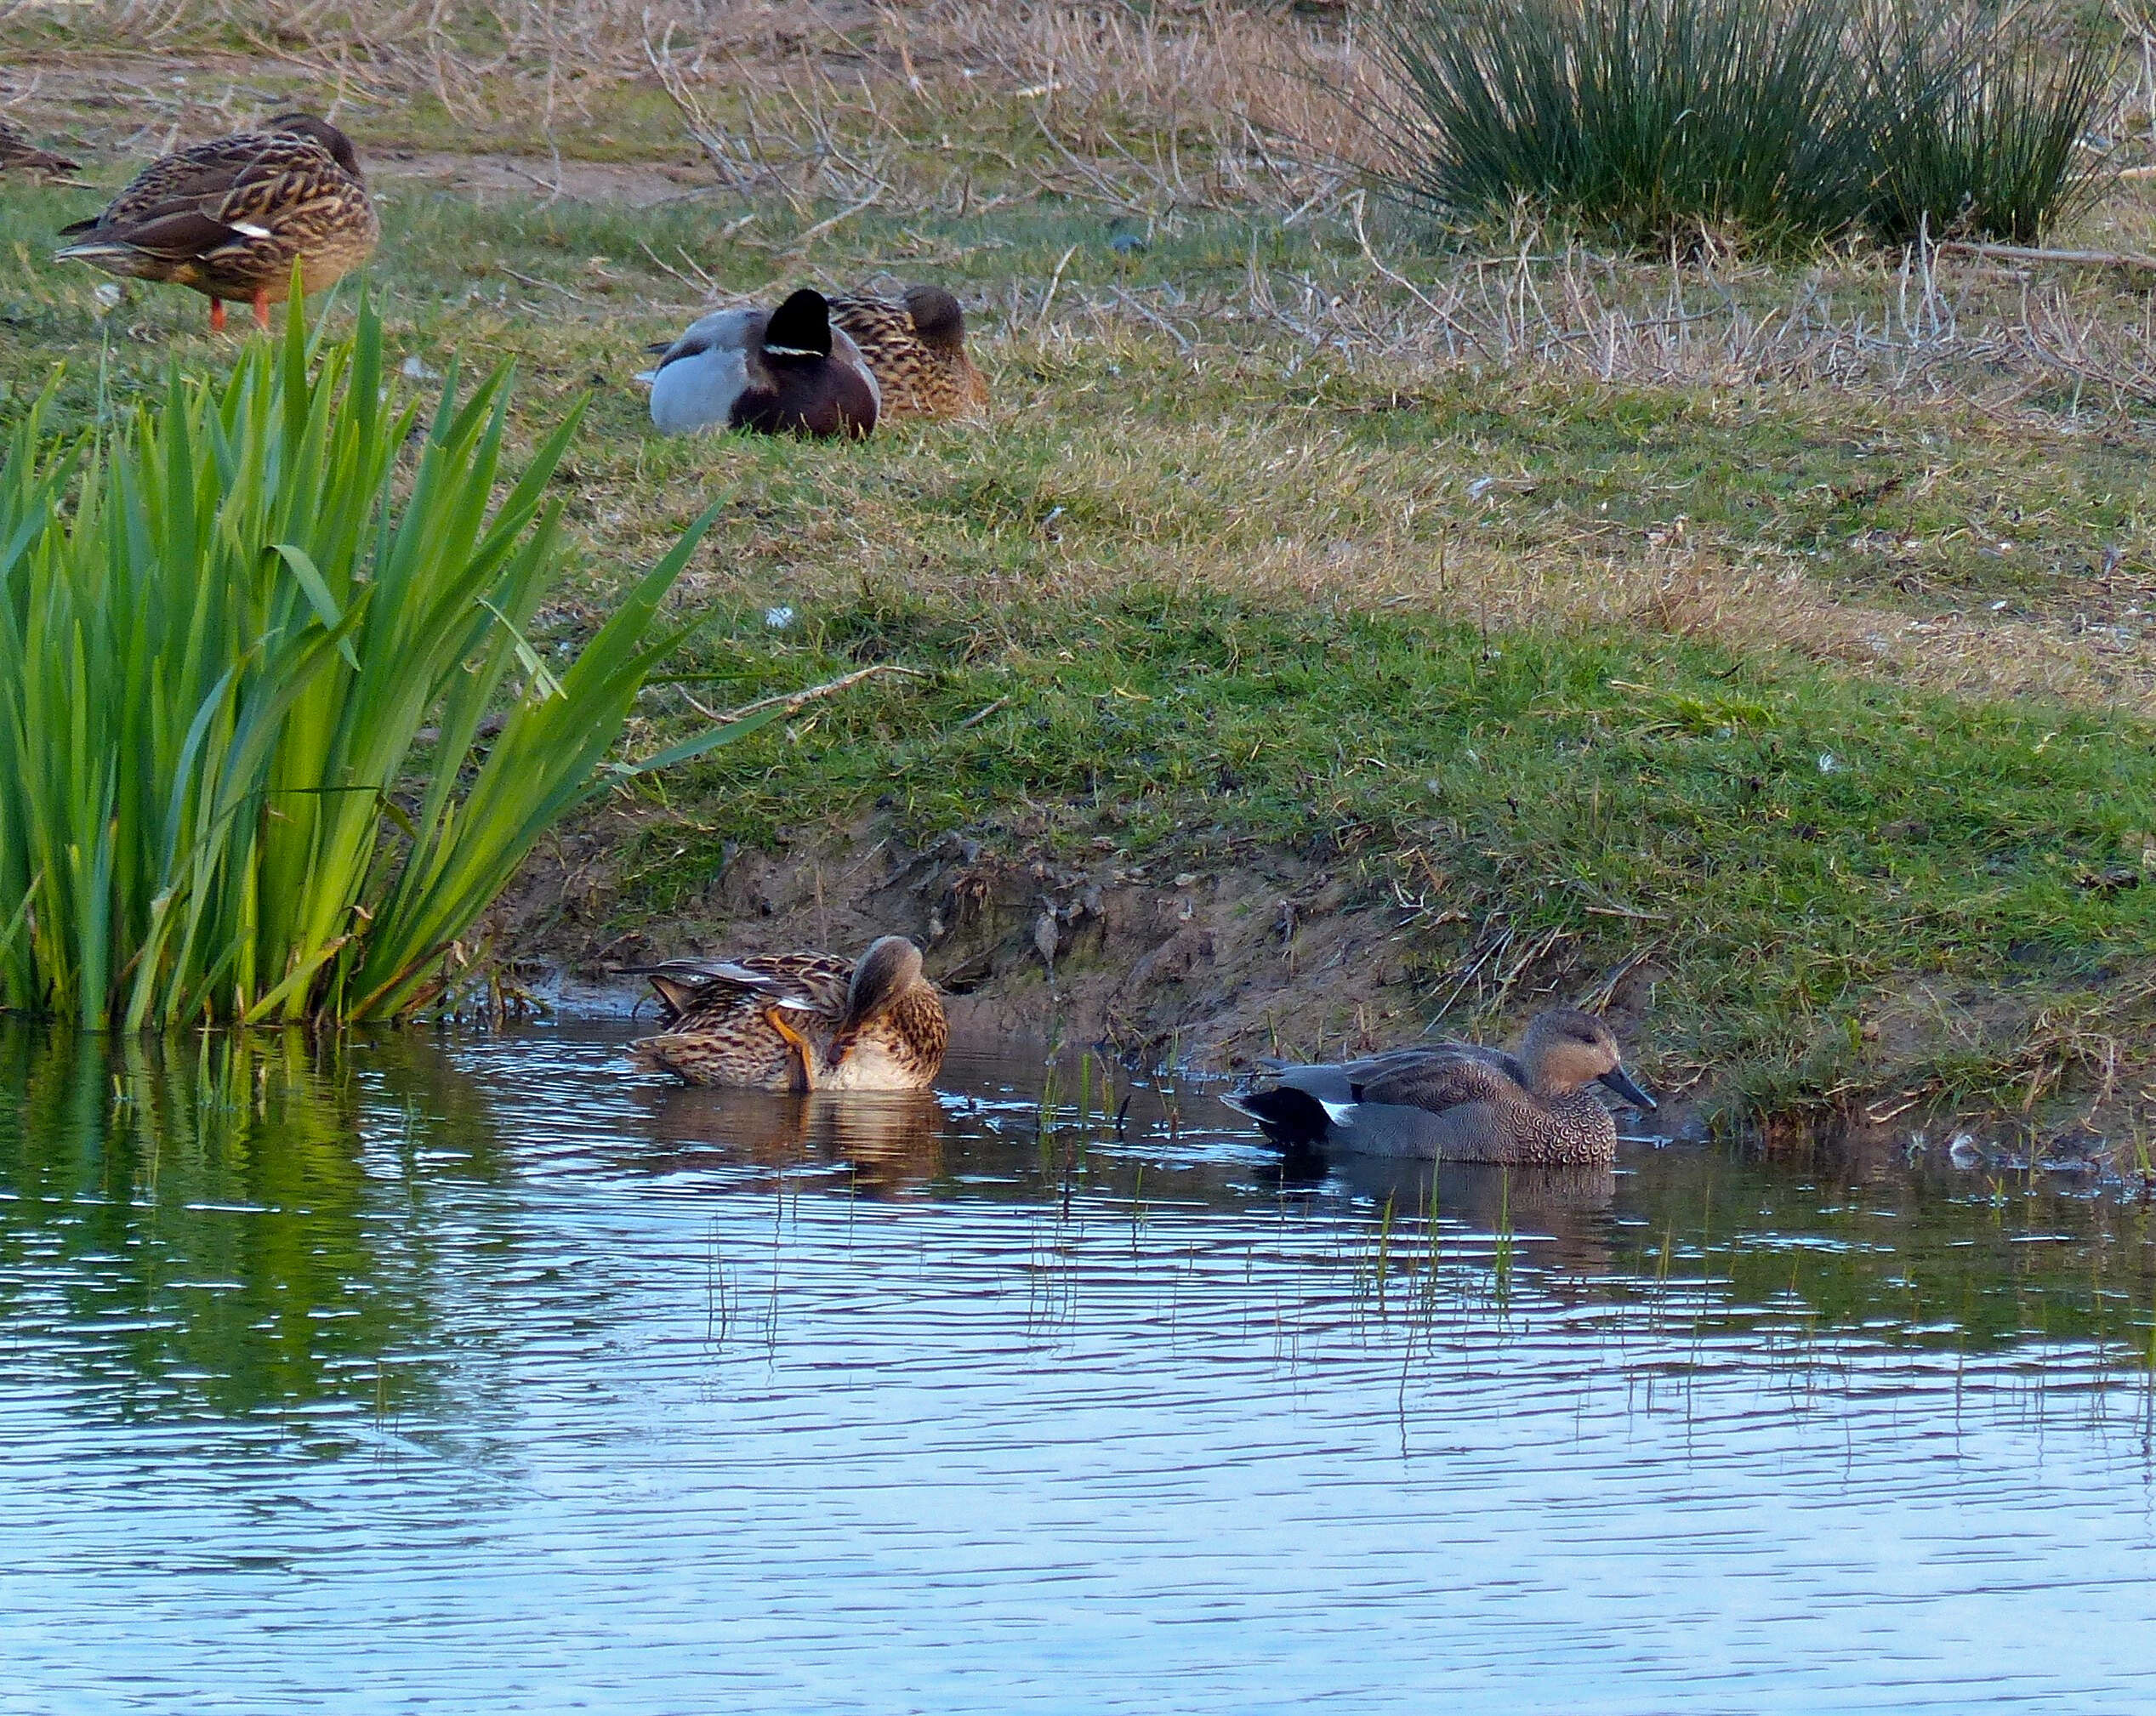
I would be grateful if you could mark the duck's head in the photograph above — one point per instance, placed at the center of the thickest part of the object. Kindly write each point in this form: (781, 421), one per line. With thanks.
(890, 967)
(938, 322)
(322, 132)
(1565, 1049)
(799, 330)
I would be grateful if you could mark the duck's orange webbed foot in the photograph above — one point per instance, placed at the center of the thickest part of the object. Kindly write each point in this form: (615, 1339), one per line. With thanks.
(217, 316)
(262, 310)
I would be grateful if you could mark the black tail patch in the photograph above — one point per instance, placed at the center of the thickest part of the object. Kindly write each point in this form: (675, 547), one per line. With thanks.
(1289, 1117)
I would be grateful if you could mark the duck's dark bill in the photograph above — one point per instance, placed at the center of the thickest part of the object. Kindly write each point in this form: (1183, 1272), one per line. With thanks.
(1616, 1080)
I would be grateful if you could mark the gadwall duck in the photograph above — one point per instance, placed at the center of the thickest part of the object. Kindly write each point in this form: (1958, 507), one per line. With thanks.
(232, 217)
(916, 345)
(777, 372)
(800, 1021)
(1459, 1102)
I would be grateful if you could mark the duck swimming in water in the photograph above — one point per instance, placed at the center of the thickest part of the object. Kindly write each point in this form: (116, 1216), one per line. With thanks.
(777, 372)
(800, 1021)
(1457, 1101)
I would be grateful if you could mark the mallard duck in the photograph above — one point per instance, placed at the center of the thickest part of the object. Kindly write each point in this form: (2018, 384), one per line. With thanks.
(1460, 1102)
(19, 153)
(779, 371)
(800, 1021)
(231, 217)
(916, 345)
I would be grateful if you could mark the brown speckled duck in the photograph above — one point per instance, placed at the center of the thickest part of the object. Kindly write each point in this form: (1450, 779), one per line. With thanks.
(230, 218)
(800, 1021)
(19, 154)
(1459, 1102)
(916, 345)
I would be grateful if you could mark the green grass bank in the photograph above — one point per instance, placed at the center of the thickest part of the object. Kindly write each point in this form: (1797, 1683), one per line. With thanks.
(1762, 645)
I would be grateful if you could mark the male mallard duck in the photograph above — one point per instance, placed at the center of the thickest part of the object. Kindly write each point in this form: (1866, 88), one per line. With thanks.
(231, 216)
(17, 151)
(779, 371)
(800, 1021)
(916, 345)
(1459, 1102)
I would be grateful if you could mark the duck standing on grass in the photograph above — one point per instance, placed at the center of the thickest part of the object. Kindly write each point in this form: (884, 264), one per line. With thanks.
(778, 371)
(1459, 1102)
(19, 154)
(915, 344)
(800, 1021)
(230, 217)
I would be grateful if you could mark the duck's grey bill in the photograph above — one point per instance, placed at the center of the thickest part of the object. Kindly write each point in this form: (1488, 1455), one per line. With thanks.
(1616, 1080)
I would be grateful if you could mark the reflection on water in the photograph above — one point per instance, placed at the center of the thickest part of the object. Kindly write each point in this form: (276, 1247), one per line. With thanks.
(437, 1372)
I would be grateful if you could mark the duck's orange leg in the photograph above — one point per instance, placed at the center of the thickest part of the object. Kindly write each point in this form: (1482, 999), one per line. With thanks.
(217, 316)
(262, 310)
(773, 1017)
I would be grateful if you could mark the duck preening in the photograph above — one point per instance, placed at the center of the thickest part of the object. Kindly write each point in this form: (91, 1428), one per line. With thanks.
(799, 1021)
(777, 372)
(232, 218)
(915, 344)
(1457, 1101)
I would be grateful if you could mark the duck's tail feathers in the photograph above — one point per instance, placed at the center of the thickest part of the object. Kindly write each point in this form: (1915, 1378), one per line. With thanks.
(1288, 1116)
(96, 250)
(651, 1054)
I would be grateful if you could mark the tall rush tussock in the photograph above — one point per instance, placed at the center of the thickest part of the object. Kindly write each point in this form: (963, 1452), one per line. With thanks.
(225, 619)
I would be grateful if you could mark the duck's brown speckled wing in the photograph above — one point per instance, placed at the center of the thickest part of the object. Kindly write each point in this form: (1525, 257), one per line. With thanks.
(698, 991)
(720, 1015)
(1444, 1075)
(879, 326)
(201, 170)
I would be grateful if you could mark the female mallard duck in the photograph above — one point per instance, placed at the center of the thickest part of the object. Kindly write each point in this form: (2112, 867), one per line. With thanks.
(1457, 1102)
(916, 345)
(800, 1021)
(778, 371)
(18, 152)
(232, 217)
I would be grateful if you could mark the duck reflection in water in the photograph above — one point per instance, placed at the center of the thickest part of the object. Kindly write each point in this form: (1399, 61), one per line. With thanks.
(890, 1142)
(1563, 1213)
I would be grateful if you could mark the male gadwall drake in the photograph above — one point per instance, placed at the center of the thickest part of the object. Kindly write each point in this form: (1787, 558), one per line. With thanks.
(776, 371)
(1459, 1102)
(800, 1021)
(232, 217)
(916, 345)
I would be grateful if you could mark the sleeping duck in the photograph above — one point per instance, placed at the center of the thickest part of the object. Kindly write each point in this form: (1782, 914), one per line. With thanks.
(232, 217)
(777, 372)
(916, 349)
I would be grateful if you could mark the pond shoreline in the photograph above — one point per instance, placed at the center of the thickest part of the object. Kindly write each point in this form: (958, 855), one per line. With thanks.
(1202, 973)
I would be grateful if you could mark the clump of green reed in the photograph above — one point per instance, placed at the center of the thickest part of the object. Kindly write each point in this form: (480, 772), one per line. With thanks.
(1980, 122)
(1783, 119)
(1652, 116)
(226, 621)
